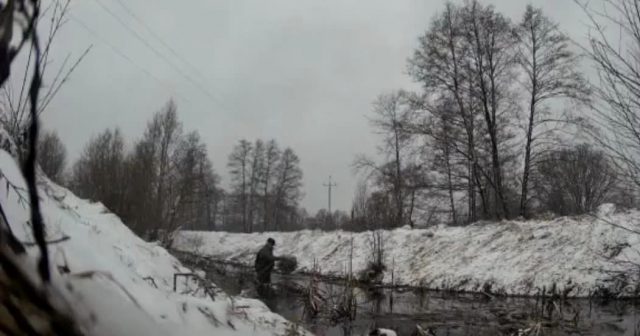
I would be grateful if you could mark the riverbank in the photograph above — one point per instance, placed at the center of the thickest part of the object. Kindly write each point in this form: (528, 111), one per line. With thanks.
(111, 282)
(569, 256)
(438, 312)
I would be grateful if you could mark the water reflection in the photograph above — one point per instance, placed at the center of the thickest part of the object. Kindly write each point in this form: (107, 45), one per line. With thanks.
(440, 313)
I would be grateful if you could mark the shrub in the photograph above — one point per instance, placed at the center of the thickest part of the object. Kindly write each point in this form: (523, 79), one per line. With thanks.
(287, 264)
(575, 180)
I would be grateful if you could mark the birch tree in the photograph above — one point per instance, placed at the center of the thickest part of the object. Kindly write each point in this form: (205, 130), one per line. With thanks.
(550, 69)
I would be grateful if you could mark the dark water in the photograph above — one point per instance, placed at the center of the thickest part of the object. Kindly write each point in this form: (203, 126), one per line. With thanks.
(441, 313)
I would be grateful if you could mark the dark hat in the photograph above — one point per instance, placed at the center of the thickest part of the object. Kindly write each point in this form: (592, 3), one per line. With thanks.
(271, 241)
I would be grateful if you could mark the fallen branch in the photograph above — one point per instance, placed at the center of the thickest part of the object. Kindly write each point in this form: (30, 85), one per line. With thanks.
(489, 296)
(151, 280)
(49, 242)
(614, 224)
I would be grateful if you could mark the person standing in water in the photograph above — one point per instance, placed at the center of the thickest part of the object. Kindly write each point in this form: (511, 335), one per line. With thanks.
(265, 262)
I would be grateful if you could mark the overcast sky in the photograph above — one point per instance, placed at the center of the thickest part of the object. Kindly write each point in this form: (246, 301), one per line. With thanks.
(303, 72)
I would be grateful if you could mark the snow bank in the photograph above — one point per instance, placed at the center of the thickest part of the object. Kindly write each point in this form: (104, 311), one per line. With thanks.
(585, 255)
(116, 283)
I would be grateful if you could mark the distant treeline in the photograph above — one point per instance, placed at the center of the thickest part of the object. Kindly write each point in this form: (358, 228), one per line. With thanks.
(166, 180)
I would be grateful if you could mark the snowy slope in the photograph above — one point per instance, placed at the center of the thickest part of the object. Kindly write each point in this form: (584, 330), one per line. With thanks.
(512, 258)
(116, 283)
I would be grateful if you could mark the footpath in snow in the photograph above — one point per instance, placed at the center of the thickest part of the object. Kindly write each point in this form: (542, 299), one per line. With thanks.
(115, 283)
(579, 257)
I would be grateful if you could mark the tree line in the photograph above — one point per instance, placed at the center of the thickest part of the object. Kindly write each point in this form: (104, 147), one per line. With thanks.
(505, 125)
(494, 131)
(166, 180)
(267, 186)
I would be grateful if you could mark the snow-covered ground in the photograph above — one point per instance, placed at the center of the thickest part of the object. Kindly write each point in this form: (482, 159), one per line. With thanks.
(585, 254)
(114, 282)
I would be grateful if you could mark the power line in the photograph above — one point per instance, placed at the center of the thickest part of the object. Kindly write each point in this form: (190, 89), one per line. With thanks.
(121, 54)
(160, 39)
(158, 53)
(330, 185)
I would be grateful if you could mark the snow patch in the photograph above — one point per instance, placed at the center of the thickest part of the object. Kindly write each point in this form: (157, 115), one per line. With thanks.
(114, 282)
(575, 256)
(606, 209)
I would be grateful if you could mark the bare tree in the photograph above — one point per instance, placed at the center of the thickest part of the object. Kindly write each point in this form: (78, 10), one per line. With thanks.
(165, 131)
(467, 55)
(165, 182)
(358, 220)
(140, 166)
(266, 187)
(98, 173)
(151, 189)
(448, 164)
(15, 115)
(287, 190)
(195, 181)
(445, 144)
(614, 40)
(255, 179)
(380, 212)
(439, 63)
(490, 39)
(550, 67)
(575, 180)
(53, 156)
(157, 149)
(239, 167)
(272, 156)
(392, 119)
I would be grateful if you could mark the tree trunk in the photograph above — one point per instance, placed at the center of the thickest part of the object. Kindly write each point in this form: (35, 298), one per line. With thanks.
(532, 111)
(527, 161)
(244, 198)
(449, 183)
(265, 219)
(410, 215)
(398, 184)
(481, 191)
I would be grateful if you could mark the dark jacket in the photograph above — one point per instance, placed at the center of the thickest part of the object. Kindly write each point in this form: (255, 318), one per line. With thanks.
(264, 264)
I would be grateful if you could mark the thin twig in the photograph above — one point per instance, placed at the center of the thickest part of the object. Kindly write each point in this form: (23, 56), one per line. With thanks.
(49, 242)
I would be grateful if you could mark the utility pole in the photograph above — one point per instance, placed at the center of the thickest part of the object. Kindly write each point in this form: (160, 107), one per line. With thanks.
(329, 186)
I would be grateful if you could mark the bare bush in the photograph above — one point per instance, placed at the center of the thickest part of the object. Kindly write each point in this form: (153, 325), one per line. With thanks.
(52, 157)
(375, 265)
(575, 180)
